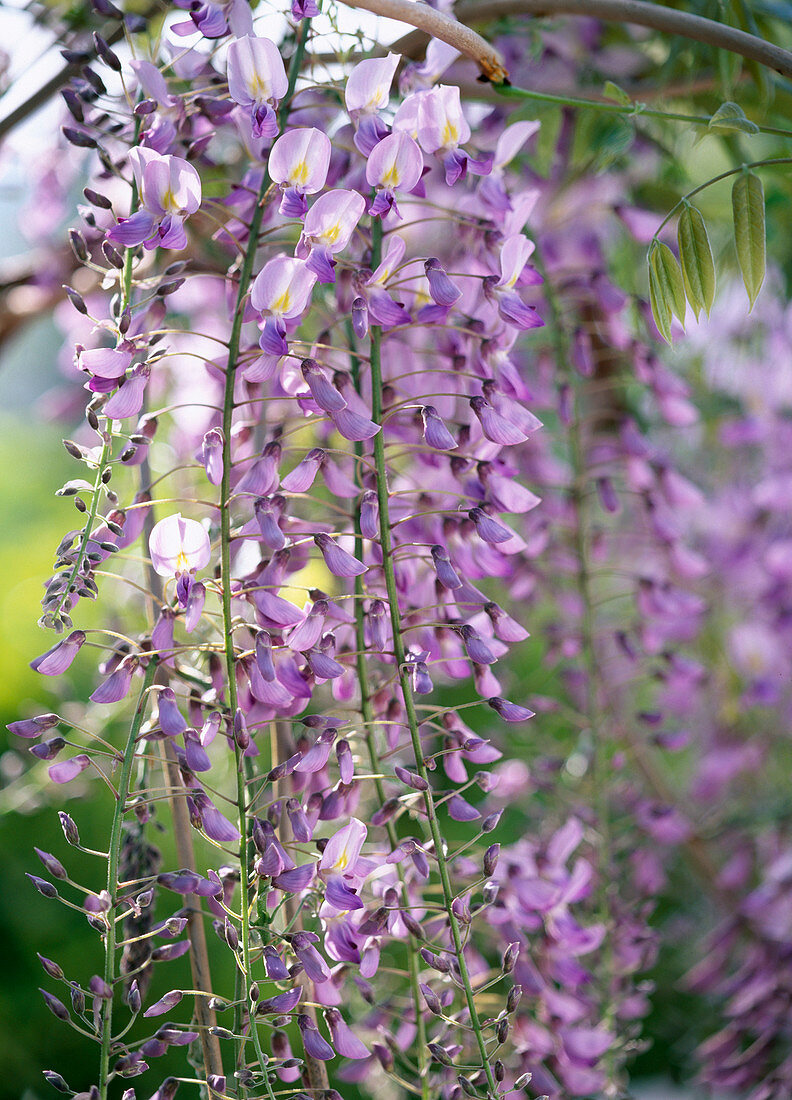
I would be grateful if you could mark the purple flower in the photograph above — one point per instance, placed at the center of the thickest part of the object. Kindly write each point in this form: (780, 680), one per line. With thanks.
(327, 229)
(344, 1039)
(59, 658)
(315, 1045)
(170, 190)
(69, 769)
(179, 548)
(394, 164)
(212, 455)
(298, 162)
(338, 561)
(257, 80)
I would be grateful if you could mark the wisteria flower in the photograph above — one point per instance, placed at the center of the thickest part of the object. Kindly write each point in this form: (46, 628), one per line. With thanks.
(170, 190)
(395, 164)
(367, 92)
(281, 292)
(515, 253)
(257, 80)
(179, 548)
(327, 228)
(298, 163)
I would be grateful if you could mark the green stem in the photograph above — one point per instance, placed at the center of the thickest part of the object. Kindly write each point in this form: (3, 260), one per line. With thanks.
(632, 110)
(404, 681)
(369, 720)
(245, 276)
(717, 179)
(114, 850)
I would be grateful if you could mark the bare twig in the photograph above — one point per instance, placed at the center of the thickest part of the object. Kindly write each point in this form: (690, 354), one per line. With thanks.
(638, 12)
(438, 25)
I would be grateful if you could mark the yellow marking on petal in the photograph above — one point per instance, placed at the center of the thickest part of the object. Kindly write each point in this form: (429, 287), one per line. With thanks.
(332, 234)
(281, 305)
(450, 134)
(182, 564)
(299, 173)
(391, 177)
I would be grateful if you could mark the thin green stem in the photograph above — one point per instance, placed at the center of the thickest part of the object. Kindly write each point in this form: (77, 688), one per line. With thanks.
(245, 276)
(116, 830)
(404, 682)
(630, 110)
(369, 719)
(769, 162)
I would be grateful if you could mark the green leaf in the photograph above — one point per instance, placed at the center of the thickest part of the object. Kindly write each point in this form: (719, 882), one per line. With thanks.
(730, 116)
(613, 91)
(660, 309)
(670, 284)
(695, 255)
(748, 206)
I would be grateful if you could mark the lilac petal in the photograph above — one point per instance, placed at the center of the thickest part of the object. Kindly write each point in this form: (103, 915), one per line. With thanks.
(165, 1004)
(460, 810)
(69, 769)
(446, 573)
(514, 311)
(344, 1039)
(315, 1045)
(128, 399)
(275, 966)
(436, 433)
(33, 727)
(353, 426)
(510, 712)
(293, 204)
(276, 609)
(215, 826)
(300, 826)
(346, 763)
(339, 895)
(323, 666)
(133, 231)
(384, 310)
(302, 477)
(282, 1002)
(195, 606)
(489, 529)
(369, 515)
(441, 288)
(212, 455)
(322, 390)
(295, 880)
(496, 427)
(321, 262)
(117, 684)
(197, 759)
(171, 720)
(318, 754)
(272, 341)
(307, 634)
(59, 658)
(476, 647)
(267, 520)
(338, 561)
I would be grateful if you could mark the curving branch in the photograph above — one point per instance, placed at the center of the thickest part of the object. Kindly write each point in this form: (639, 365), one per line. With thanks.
(638, 12)
(435, 23)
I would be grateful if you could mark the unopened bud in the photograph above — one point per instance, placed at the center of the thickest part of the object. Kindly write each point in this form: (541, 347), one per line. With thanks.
(490, 860)
(440, 1054)
(510, 956)
(514, 998)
